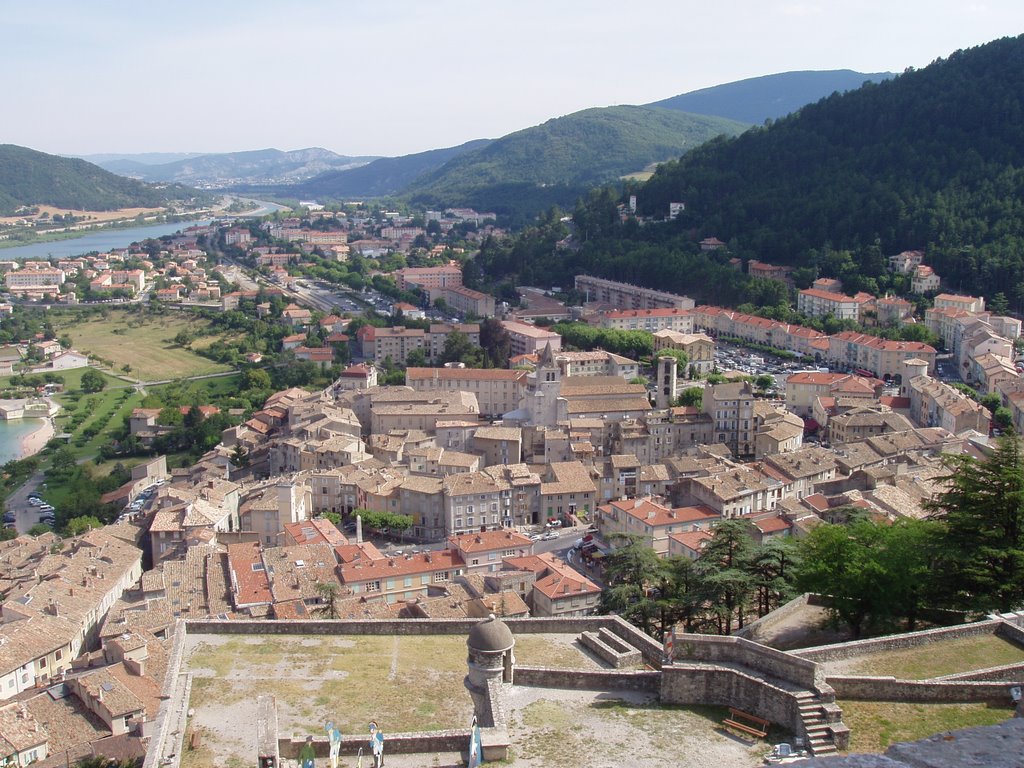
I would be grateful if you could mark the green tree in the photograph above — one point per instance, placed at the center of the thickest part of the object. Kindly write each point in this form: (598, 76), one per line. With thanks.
(38, 529)
(93, 381)
(691, 396)
(764, 382)
(982, 506)
(328, 592)
(724, 569)
(632, 570)
(417, 358)
(77, 525)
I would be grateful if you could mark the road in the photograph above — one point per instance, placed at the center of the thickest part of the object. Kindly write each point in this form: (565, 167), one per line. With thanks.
(26, 514)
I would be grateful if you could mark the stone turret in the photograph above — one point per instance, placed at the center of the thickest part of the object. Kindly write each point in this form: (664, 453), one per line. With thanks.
(490, 662)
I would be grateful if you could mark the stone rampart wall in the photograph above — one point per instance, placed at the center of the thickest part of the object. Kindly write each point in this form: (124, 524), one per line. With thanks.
(573, 625)
(769, 620)
(1011, 633)
(736, 650)
(891, 642)
(1003, 673)
(727, 687)
(456, 740)
(589, 679)
(865, 688)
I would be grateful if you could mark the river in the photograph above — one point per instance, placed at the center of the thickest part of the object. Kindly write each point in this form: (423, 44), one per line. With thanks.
(11, 435)
(104, 240)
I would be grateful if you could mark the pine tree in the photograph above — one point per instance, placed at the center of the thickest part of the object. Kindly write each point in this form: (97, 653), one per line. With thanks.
(983, 510)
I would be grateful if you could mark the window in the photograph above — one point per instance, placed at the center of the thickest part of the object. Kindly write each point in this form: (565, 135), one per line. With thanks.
(440, 576)
(408, 581)
(373, 586)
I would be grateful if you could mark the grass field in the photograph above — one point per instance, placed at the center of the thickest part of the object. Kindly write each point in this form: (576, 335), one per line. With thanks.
(935, 659)
(874, 725)
(146, 344)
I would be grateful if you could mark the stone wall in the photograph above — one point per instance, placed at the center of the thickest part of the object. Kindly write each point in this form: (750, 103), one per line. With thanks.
(866, 688)
(647, 681)
(1004, 673)
(728, 687)
(769, 620)
(891, 642)
(611, 648)
(456, 740)
(736, 650)
(574, 625)
(1011, 633)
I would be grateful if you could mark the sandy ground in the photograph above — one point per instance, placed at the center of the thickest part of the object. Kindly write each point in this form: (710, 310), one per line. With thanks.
(34, 442)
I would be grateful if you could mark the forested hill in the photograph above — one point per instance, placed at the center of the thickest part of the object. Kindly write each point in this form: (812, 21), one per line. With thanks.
(28, 177)
(933, 159)
(568, 153)
(769, 97)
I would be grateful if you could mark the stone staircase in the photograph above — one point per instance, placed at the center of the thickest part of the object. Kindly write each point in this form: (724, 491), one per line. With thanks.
(816, 726)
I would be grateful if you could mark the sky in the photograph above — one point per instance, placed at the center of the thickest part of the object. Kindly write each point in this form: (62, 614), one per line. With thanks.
(393, 77)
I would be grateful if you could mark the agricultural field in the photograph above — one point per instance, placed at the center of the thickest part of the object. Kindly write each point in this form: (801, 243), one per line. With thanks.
(144, 343)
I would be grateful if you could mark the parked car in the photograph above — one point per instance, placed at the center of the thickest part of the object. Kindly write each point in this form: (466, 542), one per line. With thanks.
(9, 517)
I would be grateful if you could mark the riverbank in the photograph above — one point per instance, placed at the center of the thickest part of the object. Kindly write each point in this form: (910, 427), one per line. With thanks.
(35, 441)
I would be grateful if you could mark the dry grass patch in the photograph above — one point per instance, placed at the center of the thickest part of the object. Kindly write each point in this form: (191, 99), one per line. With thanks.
(94, 217)
(874, 725)
(405, 683)
(556, 651)
(946, 657)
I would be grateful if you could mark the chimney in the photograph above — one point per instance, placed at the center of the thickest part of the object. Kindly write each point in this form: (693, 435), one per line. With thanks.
(53, 608)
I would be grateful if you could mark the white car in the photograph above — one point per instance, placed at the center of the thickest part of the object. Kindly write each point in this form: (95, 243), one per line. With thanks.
(550, 536)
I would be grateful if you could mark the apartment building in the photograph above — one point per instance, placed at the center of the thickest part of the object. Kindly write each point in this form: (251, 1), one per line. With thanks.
(402, 578)
(497, 390)
(484, 551)
(815, 302)
(438, 334)
(396, 343)
(465, 300)
(652, 522)
(529, 339)
(43, 279)
(650, 320)
(881, 357)
(731, 406)
(627, 296)
(410, 278)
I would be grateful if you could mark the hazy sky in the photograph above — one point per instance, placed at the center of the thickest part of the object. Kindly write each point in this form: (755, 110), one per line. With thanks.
(384, 77)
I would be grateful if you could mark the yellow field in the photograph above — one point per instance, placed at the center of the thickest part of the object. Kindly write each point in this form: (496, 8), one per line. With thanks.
(146, 345)
(94, 217)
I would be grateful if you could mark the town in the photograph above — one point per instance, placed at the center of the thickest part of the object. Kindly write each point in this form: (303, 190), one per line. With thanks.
(450, 453)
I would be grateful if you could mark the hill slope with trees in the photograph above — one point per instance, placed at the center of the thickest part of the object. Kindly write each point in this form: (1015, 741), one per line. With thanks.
(28, 177)
(572, 152)
(932, 159)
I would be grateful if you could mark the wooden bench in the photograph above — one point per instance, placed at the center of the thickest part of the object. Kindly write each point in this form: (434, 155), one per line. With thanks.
(742, 721)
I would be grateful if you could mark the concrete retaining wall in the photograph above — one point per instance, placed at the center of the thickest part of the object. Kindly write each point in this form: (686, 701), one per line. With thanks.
(611, 648)
(865, 688)
(589, 679)
(769, 620)
(411, 627)
(736, 650)
(891, 642)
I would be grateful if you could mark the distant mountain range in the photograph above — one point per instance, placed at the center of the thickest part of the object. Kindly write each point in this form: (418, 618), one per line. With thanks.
(28, 177)
(518, 174)
(769, 97)
(257, 167)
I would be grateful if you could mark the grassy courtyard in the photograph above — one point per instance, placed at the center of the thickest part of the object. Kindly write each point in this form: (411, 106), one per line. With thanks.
(143, 342)
(874, 725)
(946, 657)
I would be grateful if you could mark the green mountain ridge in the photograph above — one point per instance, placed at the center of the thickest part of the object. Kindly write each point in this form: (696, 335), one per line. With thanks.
(576, 151)
(769, 97)
(28, 177)
(931, 159)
